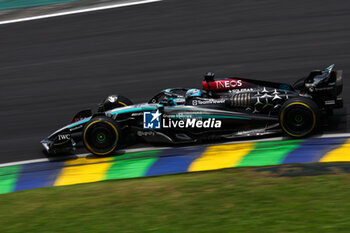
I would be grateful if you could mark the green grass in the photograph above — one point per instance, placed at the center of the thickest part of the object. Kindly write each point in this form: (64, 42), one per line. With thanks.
(230, 200)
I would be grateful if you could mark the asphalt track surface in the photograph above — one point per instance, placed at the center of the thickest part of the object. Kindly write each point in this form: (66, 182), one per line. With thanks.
(51, 68)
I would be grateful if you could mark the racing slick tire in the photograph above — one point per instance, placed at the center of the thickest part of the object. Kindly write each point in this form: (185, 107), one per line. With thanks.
(101, 136)
(299, 84)
(299, 117)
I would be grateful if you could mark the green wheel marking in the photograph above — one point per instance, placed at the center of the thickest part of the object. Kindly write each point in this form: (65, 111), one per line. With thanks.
(298, 118)
(101, 137)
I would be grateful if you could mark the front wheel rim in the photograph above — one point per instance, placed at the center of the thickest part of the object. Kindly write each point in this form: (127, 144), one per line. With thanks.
(101, 137)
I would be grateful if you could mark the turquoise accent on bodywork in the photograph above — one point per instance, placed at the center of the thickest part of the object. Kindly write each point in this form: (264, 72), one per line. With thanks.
(151, 108)
(328, 69)
(184, 109)
(207, 116)
(172, 101)
(12, 4)
(78, 123)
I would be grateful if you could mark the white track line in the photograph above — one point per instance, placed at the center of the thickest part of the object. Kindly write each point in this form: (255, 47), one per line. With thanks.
(159, 148)
(78, 11)
(338, 135)
(24, 162)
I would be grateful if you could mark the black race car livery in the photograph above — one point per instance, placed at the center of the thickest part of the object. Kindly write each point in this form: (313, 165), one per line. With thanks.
(222, 109)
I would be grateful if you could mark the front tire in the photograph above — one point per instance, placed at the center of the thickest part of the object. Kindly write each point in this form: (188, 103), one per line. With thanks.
(299, 117)
(101, 136)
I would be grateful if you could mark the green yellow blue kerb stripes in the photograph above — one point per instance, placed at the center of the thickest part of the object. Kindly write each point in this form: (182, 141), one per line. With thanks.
(173, 160)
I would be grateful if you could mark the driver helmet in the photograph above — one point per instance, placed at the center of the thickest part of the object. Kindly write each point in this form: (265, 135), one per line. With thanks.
(193, 93)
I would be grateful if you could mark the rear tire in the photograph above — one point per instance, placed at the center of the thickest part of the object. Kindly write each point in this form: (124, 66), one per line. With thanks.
(299, 84)
(101, 136)
(299, 117)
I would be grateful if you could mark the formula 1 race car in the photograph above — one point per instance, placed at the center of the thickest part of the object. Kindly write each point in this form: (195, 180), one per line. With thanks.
(223, 109)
